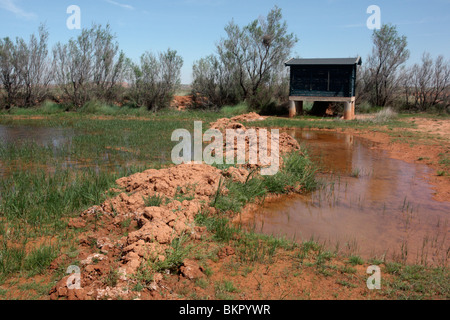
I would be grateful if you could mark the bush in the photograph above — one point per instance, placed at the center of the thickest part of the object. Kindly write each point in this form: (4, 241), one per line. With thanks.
(50, 107)
(230, 111)
(97, 107)
(155, 80)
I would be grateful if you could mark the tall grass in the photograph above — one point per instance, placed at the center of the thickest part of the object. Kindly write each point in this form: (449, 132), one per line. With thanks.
(41, 198)
(230, 111)
(50, 107)
(298, 172)
(383, 116)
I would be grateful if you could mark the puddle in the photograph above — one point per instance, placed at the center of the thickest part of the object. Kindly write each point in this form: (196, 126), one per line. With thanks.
(55, 137)
(372, 205)
(60, 140)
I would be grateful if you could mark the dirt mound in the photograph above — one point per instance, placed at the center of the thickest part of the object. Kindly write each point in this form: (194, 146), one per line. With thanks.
(234, 123)
(286, 142)
(249, 117)
(182, 102)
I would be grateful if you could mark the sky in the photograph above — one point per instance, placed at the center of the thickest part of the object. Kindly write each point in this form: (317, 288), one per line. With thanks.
(325, 28)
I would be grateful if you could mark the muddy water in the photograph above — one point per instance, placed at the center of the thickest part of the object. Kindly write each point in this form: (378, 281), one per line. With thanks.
(57, 138)
(45, 136)
(371, 205)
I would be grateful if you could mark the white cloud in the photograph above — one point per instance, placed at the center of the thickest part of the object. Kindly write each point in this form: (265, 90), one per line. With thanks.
(11, 6)
(126, 6)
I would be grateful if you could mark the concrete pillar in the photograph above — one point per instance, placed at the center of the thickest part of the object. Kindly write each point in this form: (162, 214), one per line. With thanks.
(292, 109)
(348, 111)
(353, 110)
(299, 107)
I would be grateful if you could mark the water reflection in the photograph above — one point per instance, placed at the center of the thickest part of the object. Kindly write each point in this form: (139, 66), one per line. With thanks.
(55, 137)
(372, 205)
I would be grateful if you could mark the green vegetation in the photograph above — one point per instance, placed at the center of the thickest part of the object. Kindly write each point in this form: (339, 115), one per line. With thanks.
(355, 260)
(412, 282)
(298, 173)
(229, 111)
(175, 255)
(154, 201)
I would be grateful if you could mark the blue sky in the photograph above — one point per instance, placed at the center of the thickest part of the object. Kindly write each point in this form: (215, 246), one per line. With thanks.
(325, 28)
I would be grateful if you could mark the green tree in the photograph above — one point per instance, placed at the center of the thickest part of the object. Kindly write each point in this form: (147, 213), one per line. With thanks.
(155, 80)
(90, 66)
(249, 60)
(388, 54)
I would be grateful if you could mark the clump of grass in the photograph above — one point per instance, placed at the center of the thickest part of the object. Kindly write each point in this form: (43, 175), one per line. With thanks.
(346, 284)
(417, 282)
(218, 225)
(239, 194)
(298, 172)
(366, 107)
(40, 259)
(222, 290)
(11, 260)
(42, 198)
(202, 283)
(356, 173)
(184, 193)
(254, 249)
(50, 107)
(126, 223)
(175, 255)
(144, 277)
(444, 159)
(382, 116)
(97, 107)
(323, 257)
(154, 200)
(355, 260)
(393, 267)
(441, 173)
(238, 109)
(111, 278)
(347, 269)
(308, 248)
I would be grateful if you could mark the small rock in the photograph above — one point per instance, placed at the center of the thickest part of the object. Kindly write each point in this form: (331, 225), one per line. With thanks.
(77, 223)
(191, 270)
(225, 252)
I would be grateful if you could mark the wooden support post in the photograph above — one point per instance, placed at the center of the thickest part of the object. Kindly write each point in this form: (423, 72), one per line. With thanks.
(292, 109)
(299, 107)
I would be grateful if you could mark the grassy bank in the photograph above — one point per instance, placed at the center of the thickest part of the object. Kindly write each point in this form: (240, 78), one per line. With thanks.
(268, 267)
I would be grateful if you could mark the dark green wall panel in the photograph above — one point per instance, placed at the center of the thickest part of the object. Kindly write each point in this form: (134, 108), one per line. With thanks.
(328, 81)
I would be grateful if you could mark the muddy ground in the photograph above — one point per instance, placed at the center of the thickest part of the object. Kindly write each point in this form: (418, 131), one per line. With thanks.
(126, 251)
